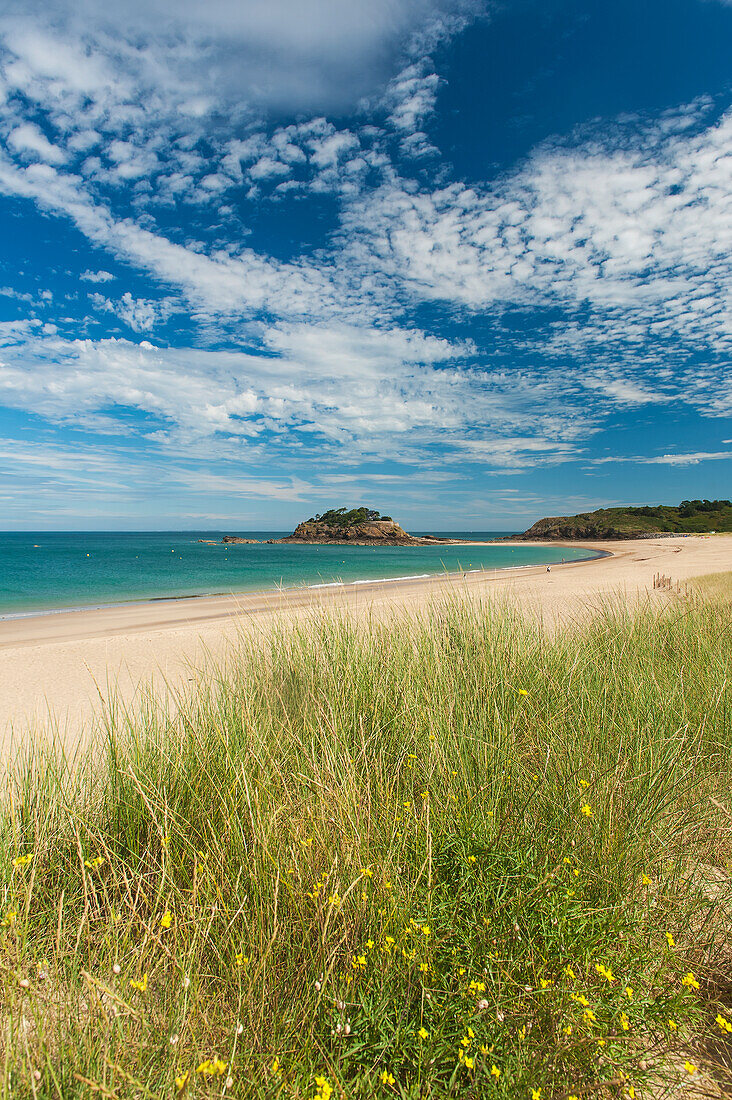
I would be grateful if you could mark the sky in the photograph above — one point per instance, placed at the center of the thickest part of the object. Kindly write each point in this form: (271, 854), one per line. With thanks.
(467, 262)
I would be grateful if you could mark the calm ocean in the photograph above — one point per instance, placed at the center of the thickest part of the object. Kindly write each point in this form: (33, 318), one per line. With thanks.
(50, 572)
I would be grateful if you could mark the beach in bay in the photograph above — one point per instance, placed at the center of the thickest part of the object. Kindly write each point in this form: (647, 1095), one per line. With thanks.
(60, 669)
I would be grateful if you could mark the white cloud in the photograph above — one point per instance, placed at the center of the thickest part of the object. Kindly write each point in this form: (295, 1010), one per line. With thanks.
(624, 391)
(31, 141)
(637, 224)
(410, 97)
(348, 391)
(141, 314)
(279, 53)
(96, 276)
(691, 459)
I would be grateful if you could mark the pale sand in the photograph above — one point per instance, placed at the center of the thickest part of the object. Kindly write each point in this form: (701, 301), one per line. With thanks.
(60, 668)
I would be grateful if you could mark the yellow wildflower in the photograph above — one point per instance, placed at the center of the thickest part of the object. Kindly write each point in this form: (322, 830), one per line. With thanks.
(670, 939)
(324, 1089)
(629, 992)
(212, 1067)
(724, 1024)
(646, 880)
(477, 987)
(139, 984)
(469, 1062)
(423, 1033)
(536, 1094)
(22, 861)
(274, 1069)
(10, 918)
(590, 1016)
(584, 782)
(568, 1029)
(387, 1078)
(690, 981)
(367, 871)
(241, 959)
(495, 1072)
(96, 862)
(167, 919)
(624, 1021)
(586, 809)
(472, 859)
(522, 691)
(182, 1081)
(605, 972)
(690, 1068)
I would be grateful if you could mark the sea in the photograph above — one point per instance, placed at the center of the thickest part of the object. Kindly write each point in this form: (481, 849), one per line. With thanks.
(42, 572)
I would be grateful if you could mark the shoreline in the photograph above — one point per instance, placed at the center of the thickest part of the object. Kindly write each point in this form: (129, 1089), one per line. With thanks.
(60, 671)
(277, 590)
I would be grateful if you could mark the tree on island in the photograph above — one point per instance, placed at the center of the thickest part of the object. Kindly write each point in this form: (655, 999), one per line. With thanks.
(341, 517)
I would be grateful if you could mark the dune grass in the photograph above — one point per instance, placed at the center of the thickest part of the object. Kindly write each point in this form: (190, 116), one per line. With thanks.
(441, 857)
(717, 586)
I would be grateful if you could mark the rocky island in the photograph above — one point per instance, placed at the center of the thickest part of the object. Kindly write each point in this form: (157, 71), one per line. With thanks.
(357, 527)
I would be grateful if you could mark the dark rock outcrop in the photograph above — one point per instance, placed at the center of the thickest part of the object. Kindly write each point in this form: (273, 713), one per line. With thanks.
(384, 532)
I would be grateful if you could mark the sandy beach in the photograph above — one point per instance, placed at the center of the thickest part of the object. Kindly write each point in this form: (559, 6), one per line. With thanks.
(60, 669)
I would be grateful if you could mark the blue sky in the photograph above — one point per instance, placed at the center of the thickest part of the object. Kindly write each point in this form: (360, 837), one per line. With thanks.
(465, 262)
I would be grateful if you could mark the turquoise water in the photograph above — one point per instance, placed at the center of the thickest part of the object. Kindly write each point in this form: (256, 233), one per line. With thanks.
(51, 572)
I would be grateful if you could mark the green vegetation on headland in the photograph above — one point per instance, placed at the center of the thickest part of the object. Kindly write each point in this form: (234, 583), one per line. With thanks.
(340, 517)
(690, 517)
(453, 856)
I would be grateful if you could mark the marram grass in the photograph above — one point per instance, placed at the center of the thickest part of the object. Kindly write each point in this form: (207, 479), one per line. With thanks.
(448, 856)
